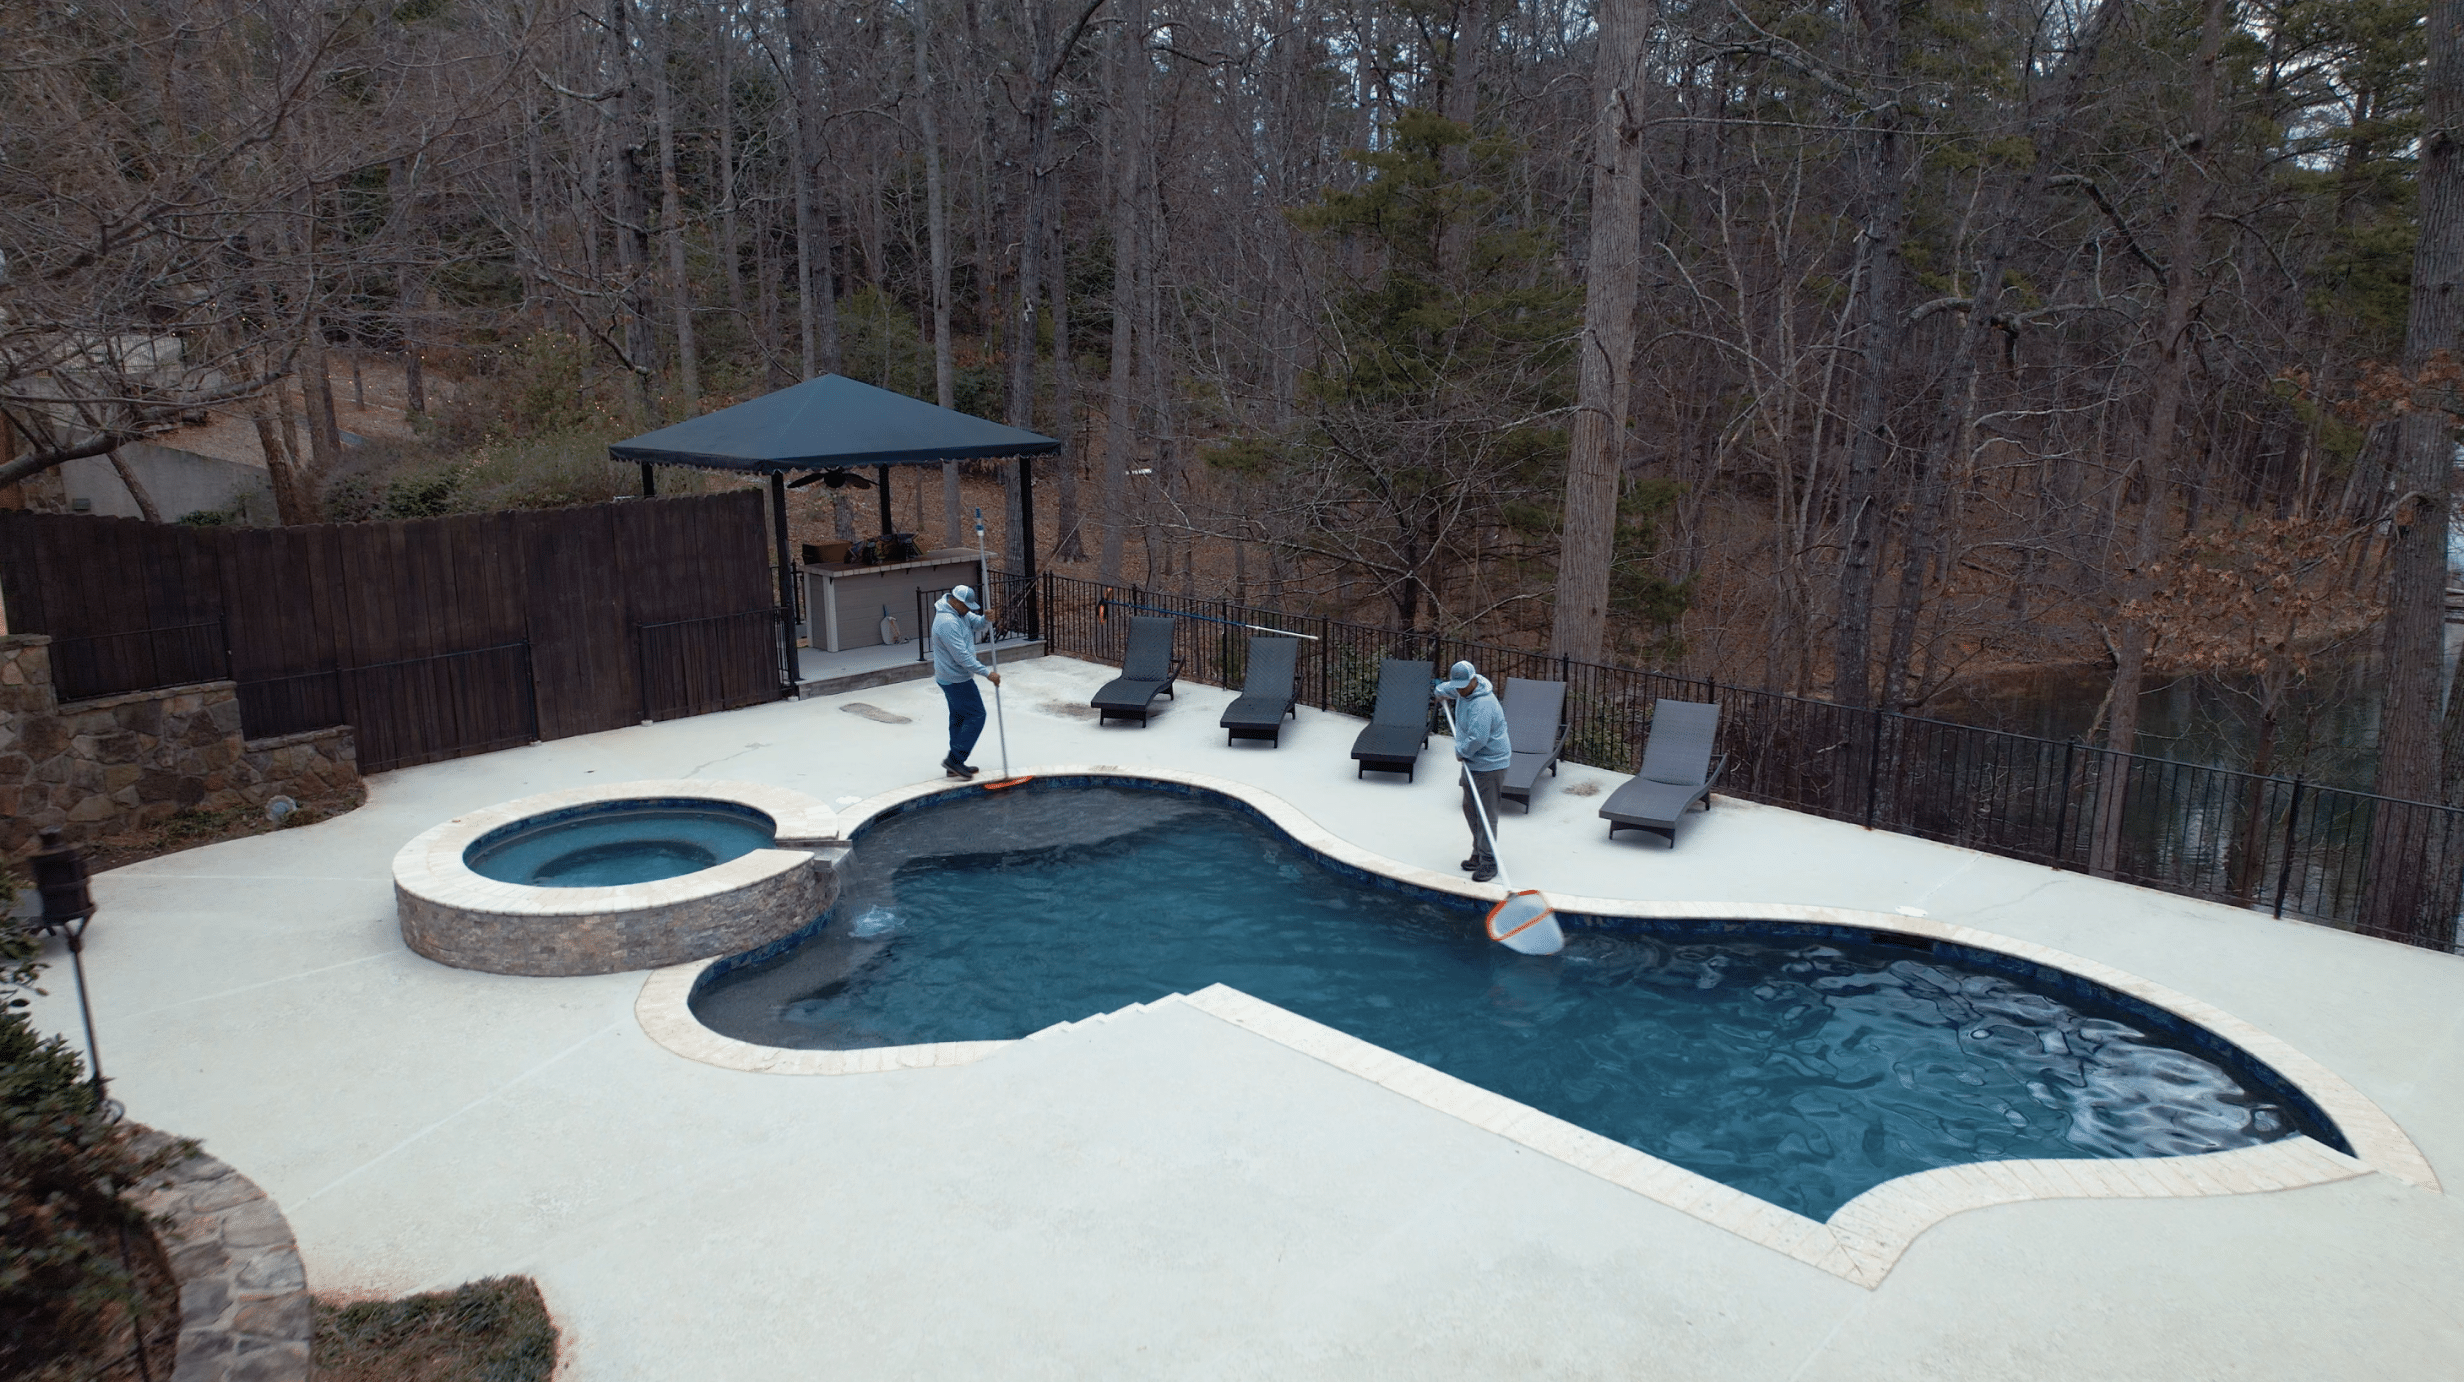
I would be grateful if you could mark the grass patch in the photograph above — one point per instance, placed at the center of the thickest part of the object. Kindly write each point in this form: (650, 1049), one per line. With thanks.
(495, 1330)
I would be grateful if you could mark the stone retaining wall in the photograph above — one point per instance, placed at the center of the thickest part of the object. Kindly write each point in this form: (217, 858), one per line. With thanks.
(245, 1311)
(103, 766)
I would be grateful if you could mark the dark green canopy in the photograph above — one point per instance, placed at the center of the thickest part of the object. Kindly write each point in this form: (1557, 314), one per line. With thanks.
(826, 423)
(828, 426)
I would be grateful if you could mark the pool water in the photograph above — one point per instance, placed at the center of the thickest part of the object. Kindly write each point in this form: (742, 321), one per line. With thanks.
(1802, 1069)
(602, 846)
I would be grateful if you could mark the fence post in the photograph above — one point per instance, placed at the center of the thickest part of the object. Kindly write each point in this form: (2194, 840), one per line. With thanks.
(1326, 663)
(2061, 819)
(641, 658)
(1873, 762)
(2284, 871)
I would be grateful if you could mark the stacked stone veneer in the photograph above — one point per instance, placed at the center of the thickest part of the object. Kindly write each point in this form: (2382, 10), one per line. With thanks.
(115, 763)
(454, 916)
(245, 1311)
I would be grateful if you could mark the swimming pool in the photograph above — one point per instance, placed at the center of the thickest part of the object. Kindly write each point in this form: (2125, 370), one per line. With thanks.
(1801, 1064)
(611, 843)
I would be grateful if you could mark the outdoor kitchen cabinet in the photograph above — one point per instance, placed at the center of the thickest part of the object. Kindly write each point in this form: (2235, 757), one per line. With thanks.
(843, 604)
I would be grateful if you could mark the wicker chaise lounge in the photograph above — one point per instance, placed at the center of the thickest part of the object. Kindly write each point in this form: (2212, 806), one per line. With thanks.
(1266, 693)
(1536, 727)
(1399, 727)
(1148, 670)
(1679, 769)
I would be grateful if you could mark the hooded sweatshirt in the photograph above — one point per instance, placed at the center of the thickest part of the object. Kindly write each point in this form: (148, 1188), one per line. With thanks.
(954, 658)
(1479, 727)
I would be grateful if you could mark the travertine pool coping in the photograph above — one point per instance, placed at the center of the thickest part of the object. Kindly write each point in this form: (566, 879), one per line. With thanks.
(1860, 1242)
(452, 914)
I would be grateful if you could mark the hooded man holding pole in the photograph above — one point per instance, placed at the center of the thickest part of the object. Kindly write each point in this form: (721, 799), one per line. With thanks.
(956, 621)
(1480, 743)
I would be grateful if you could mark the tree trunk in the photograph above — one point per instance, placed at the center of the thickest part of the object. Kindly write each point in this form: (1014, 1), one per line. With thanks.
(294, 498)
(411, 296)
(1595, 465)
(671, 220)
(630, 218)
(731, 242)
(2173, 356)
(2051, 125)
(1129, 80)
(816, 287)
(1068, 546)
(1880, 160)
(317, 397)
(136, 488)
(1046, 54)
(937, 221)
(2413, 892)
(1462, 107)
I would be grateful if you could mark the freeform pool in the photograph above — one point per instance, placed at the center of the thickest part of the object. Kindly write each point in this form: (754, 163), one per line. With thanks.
(1800, 1064)
(614, 843)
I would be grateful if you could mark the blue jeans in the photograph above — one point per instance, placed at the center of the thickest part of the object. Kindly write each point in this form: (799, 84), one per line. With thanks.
(966, 717)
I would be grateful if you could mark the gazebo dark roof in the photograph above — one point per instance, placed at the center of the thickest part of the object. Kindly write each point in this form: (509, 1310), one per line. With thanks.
(826, 423)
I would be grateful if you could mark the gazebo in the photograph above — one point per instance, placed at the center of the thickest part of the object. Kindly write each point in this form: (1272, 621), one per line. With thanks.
(826, 427)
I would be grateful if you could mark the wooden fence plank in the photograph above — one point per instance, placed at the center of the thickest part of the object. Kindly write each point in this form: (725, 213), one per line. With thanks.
(413, 632)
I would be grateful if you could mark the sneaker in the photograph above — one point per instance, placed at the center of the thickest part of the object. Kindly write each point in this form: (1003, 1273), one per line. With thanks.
(966, 769)
(1470, 864)
(1484, 873)
(953, 770)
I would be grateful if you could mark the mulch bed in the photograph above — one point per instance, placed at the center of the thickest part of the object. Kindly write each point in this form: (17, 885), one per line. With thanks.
(190, 828)
(496, 1330)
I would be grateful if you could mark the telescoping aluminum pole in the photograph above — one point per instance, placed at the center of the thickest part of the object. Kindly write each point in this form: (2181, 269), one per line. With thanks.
(1521, 921)
(983, 558)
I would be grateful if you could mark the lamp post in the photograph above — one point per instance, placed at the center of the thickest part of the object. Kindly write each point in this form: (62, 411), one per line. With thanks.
(68, 907)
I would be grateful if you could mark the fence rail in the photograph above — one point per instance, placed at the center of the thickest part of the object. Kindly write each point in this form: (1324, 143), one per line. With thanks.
(104, 664)
(716, 662)
(415, 710)
(2376, 865)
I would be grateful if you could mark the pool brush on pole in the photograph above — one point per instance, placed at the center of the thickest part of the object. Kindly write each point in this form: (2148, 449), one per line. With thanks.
(1522, 921)
(1000, 715)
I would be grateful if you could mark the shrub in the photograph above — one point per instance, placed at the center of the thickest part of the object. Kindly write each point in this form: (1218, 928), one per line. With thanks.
(65, 1168)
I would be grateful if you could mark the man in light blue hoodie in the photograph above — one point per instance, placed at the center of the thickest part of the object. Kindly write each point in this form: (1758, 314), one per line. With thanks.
(1480, 742)
(955, 668)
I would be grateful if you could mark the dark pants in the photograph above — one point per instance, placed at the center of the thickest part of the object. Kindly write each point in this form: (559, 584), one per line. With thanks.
(966, 717)
(1486, 784)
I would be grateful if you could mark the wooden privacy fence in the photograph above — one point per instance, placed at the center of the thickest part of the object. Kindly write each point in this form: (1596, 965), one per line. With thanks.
(431, 637)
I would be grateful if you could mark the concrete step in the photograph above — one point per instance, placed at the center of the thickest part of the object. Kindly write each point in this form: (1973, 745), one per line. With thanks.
(1062, 1029)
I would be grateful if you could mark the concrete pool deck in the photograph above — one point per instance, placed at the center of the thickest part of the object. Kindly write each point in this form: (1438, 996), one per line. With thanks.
(1166, 1194)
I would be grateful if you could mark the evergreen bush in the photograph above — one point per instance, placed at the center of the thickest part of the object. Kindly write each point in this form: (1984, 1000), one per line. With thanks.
(65, 1170)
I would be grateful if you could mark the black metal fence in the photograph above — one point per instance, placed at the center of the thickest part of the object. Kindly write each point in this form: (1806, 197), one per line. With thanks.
(2347, 859)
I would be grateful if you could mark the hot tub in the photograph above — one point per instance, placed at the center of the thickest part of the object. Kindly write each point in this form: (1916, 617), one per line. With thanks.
(634, 875)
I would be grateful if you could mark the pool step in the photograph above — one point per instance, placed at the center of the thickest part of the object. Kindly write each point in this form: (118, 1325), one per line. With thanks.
(1064, 1028)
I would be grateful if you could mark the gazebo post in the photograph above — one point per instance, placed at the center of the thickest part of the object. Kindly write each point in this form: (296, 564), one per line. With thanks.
(1026, 559)
(881, 474)
(650, 486)
(787, 582)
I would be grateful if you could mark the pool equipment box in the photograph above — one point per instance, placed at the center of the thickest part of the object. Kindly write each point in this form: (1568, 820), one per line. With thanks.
(843, 602)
